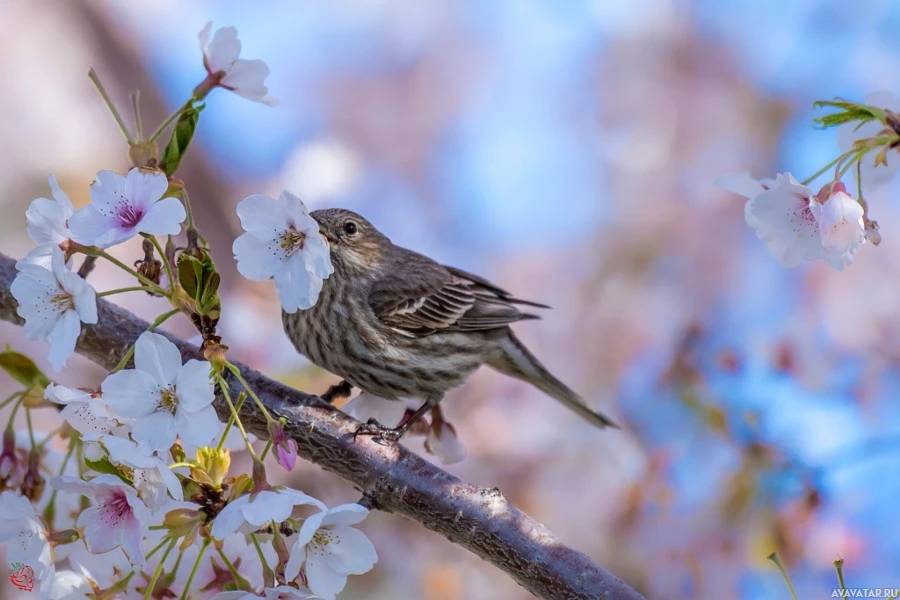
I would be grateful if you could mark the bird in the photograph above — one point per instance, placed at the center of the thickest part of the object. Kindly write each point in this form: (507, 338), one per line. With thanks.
(399, 325)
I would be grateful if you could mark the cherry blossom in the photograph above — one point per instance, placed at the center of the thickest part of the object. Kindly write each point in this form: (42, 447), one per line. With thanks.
(117, 519)
(329, 550)
(122, 207)
(797, 224)
(841, 225)
(153, 479)
(25, 535)
(54, 302)
(166, 399)
(86, 413)
(443, 442)
(282, 241)
(48, 223)
(259, 508)
(246, 78)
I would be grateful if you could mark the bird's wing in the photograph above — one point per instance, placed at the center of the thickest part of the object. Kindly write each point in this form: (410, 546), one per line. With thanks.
(425, 297)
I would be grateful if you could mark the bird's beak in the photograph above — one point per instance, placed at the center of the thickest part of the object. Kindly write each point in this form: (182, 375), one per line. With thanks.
(326, 235)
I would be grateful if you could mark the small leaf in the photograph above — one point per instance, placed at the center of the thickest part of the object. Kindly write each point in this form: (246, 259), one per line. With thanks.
(22, 369)
(105, 466)
(181, 138)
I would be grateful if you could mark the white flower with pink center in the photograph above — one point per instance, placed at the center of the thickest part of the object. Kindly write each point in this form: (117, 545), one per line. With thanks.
(122, 207)
(245, 78)
(283, 242)
(54, 302)
(779, 211)
(118, 517)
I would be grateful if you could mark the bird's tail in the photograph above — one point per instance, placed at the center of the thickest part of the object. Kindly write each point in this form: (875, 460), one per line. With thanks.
(512, 358)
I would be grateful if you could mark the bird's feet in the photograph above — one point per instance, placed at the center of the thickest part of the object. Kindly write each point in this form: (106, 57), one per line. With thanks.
(376, 429)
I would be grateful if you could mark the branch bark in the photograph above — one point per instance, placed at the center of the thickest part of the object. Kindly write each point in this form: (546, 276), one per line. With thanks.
(392, 478)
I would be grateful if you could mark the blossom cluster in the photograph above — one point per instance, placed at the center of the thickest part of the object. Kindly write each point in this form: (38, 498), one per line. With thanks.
(797, 224)
(144, 501)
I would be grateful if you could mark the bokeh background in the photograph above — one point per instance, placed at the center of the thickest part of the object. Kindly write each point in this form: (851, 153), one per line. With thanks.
(566, 150)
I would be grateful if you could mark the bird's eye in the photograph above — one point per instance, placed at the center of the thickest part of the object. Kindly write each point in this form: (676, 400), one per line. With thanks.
(350, 228)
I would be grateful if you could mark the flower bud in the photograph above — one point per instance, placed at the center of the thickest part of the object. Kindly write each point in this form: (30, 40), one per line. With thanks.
(33, 484)
(66, 536)
(213, 464)
(285, 447)
(181, 521)
(144, 154)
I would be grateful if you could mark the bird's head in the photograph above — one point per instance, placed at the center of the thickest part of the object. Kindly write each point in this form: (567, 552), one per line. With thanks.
(356, 246)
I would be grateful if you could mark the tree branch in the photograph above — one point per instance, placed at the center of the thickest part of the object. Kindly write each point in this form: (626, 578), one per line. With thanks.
(392, 478)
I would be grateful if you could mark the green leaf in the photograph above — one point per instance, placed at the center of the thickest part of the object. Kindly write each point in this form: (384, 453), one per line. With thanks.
(22, 369)
(200, 281)
(181, 138)
(848, 112)
(105, 466)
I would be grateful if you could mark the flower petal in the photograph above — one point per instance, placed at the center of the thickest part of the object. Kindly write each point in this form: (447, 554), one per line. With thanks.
(198, 428)
(91, 228)
(131, 393)
(344, 515)
(254, 259)
(158, 357)
(223, 50)
(62, 339)
(144, 188)
(163, 218)
(323, 581)
(350, 552)
(193, 385)
(156, 431)
(741, 184)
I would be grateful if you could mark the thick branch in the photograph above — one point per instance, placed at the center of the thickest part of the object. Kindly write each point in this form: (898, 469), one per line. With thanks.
(393, 479)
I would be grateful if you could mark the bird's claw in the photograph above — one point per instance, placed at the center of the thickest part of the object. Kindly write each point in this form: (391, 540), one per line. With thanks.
(376, 429)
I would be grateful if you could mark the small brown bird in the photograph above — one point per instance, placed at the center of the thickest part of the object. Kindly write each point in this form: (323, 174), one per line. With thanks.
(397, 324)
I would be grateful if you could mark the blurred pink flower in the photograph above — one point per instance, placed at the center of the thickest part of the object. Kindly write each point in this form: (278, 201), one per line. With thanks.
(245, 78)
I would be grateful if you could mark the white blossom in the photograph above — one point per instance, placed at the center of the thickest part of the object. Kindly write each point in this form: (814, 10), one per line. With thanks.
(797, 224)
(153, 479)
(329, 550)
(244, 77)
(841, 225)
(282, 241)
(259, 508)
(86, 413)
(118, 518)
(122, 207)
(48, 223)
(165, 398)
(443, 442)
(54, 302)
(25, 536)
